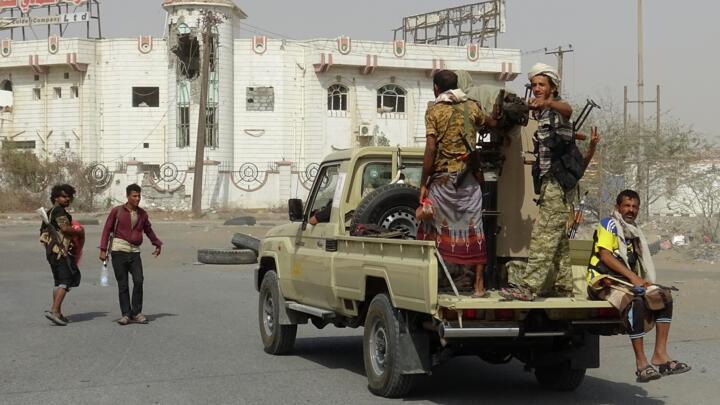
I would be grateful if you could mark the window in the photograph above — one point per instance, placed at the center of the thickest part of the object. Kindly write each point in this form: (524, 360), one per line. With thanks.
(337, 97)
(6, 85)
(36, 78)
(260, 99)
(325, 185)
(146, 145)
(74, 92)
(58, 92)
(374, 176)
(19, 144)
(183, 126)
(211, 127)
(66, 75)
(36, 93)
(146, 97)
(391, 99)
(67, 145)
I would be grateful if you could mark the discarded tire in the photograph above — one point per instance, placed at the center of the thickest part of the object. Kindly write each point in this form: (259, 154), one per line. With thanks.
(391, 206)
(246, 220)
(242, 241)
(226, 256)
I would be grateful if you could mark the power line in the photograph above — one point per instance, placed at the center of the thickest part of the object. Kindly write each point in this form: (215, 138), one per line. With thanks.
(560, 52)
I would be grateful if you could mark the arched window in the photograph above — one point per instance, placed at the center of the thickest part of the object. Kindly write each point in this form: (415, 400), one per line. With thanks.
(337, 97)
(6, 85)
(391, 99)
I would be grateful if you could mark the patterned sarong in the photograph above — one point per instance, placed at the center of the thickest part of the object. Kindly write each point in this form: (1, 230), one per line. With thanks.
(456, 226)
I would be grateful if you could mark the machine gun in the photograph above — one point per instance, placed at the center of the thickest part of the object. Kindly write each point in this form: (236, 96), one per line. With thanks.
(584, 113)
(577, 218)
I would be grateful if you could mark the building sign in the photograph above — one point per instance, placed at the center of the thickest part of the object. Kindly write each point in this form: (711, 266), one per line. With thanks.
(26, 5)
(44, 20)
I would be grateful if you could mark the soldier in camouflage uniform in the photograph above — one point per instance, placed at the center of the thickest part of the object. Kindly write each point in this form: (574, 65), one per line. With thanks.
(548, 271)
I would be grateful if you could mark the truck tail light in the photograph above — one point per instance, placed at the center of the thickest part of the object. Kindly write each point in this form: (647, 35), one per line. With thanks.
(469, 313)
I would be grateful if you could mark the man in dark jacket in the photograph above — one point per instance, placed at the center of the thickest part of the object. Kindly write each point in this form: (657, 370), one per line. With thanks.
(127, 223)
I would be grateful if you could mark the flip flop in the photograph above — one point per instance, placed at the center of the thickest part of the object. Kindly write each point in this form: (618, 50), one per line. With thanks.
(647, 374)
(673, 367)
(55, 319)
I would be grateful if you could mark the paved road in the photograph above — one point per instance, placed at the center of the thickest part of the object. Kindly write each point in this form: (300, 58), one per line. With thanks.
(202, 343)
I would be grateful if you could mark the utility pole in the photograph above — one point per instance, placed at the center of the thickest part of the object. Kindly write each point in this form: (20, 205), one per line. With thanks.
(208, 23)
(643, 172)
(559, 52)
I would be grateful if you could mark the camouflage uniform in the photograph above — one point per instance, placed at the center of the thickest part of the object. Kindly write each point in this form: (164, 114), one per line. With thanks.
(548, 269)
(446, 124)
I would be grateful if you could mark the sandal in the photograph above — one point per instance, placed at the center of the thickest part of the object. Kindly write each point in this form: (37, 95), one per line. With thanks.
(124, 320)
(673, 367)
(647, 374)
(517, 293)
(54, 318)
(140, 318)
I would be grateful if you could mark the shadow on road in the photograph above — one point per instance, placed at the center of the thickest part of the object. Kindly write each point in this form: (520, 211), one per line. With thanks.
(152, 317)
(470, 380)
(86, 316)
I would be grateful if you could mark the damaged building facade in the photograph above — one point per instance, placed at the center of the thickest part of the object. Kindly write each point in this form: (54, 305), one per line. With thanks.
(275, 107)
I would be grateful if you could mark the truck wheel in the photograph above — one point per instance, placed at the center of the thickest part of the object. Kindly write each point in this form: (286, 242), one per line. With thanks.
(277, 339)
(381, 350)
(560, 377)
(391, 206)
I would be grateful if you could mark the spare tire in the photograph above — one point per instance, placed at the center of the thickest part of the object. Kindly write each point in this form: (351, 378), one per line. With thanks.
(226, 256)
(391, 206)
(242, 241)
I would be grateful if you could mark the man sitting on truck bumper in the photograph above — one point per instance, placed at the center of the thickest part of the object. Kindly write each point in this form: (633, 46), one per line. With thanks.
(620, 256)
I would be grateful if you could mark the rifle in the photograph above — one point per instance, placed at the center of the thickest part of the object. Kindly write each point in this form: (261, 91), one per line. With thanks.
(589, 105)
(56, 236)
(577, 218)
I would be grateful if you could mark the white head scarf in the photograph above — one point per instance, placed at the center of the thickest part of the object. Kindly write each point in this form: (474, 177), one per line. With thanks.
(547, 70)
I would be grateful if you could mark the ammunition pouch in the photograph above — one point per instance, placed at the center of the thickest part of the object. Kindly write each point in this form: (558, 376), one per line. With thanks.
(568, 164)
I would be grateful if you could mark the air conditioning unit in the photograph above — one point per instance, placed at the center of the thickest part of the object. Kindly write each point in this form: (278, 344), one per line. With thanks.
(364, 130)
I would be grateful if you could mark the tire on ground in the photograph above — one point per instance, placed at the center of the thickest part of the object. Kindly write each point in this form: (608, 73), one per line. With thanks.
(560, 377)
(381, 350)
(242, 241)
(277, 339)
(226, 256)
(391, 206)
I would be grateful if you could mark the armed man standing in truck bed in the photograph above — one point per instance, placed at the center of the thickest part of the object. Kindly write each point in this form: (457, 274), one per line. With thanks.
(451, 212)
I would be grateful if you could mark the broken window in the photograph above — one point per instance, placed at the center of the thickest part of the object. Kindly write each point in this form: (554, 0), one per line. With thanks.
(260, 99)
(183, 126)
(187, 51)
(146, 97)
(211, 127)
(58, 92)
(391, 98)
(337, 97)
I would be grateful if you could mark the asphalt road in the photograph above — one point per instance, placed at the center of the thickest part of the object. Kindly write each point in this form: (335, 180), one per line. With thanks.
(202, 343)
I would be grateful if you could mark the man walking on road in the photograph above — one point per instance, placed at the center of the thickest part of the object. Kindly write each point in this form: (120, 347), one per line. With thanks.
(57, 245)
(127, 223)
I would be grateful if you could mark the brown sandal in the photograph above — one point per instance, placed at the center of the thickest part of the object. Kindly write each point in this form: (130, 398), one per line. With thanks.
(673, 367)
(140, 318)
(124, 320)
(647, 374)
(517, 293)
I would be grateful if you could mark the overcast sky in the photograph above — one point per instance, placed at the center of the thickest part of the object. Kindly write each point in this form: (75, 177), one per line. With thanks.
(681, 40)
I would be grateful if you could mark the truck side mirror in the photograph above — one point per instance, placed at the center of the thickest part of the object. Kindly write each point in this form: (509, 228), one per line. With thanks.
(295, 210)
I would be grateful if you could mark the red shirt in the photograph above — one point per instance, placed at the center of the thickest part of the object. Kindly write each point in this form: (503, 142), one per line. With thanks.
(125, 231)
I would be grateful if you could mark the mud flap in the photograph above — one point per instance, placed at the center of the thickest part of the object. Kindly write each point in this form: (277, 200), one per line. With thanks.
(582, 351)
(414, 349)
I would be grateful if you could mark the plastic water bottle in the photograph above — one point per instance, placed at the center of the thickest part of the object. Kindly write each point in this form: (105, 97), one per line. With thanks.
(104, 275)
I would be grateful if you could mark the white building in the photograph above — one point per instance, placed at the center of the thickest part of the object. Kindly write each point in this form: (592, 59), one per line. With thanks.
(276, 106)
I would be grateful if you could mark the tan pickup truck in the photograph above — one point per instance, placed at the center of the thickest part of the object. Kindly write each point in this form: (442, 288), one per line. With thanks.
(322, 274)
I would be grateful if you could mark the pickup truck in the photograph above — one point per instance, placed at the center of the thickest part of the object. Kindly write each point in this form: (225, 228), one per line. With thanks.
(323, 274)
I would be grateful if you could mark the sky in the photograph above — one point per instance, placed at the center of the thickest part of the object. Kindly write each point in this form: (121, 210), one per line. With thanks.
(680, 41)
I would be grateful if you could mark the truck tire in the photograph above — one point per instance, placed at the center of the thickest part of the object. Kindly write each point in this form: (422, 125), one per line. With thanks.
(391, 206)
(560, 377)
(242, 241)
(226, 256)
(277, 339)
(381, 350)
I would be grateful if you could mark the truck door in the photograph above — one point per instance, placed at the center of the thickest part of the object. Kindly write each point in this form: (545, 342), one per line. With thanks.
(311, 270)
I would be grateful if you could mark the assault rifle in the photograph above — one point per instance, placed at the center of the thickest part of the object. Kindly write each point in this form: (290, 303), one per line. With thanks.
(55, 235)
(577, 217)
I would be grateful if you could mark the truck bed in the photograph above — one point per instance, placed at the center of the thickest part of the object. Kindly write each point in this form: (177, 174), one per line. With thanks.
(494, 301)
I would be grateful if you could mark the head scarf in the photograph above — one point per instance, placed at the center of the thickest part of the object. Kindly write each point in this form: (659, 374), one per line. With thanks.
(547, 70)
